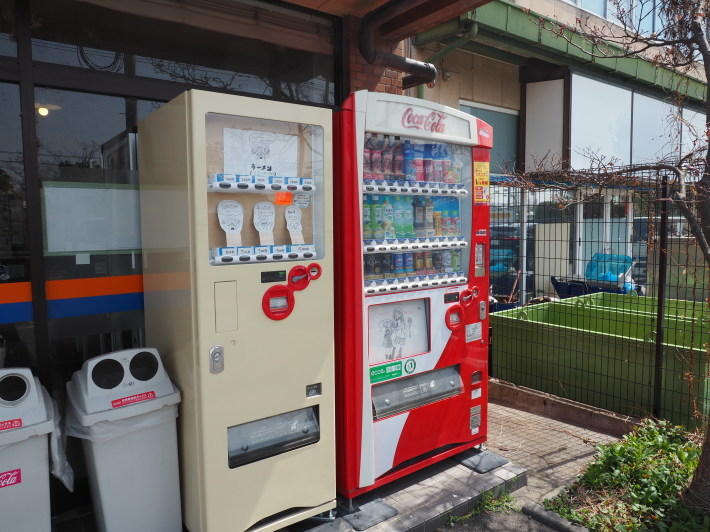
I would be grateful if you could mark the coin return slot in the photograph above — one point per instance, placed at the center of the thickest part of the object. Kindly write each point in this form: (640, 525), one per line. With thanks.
(476, 377)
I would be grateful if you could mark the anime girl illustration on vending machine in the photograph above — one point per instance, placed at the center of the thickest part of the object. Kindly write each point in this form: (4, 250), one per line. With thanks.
(396, 331)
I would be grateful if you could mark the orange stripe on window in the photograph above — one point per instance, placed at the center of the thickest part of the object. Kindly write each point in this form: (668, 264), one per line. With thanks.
(98, 286)
(15, 293)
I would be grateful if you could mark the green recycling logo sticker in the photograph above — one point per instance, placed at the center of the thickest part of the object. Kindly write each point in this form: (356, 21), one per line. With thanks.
(409, 366)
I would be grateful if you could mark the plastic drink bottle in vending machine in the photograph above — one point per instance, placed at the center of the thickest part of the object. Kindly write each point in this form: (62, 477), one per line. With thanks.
(387, 159)
(429, 230)
(398, 206)
(367, 158)
(376, 157)
(418, 163)
(388, 219)
(428, 163)
(419, 217)
(398, 161)
(366, 218)
(376, 218)
(455, 217)
(408, 210)
(438, 163)
(408, 161)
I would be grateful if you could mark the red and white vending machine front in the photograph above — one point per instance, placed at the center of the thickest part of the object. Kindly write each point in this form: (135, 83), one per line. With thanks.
(412, 237)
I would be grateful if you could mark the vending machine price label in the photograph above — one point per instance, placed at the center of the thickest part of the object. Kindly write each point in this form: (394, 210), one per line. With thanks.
(385, 372)
(283, 198)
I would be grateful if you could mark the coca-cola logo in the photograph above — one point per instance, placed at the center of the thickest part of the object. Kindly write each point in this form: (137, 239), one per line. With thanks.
(432, 122)
(10, 478)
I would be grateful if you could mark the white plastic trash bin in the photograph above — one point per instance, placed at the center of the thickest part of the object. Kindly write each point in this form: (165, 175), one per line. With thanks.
(26, 418)
(124, 408)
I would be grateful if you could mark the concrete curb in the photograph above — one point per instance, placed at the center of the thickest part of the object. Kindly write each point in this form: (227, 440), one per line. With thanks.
(543, 404)
(551, 519)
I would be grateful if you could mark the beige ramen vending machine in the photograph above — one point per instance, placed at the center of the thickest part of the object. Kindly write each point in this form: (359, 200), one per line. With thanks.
(236, 208)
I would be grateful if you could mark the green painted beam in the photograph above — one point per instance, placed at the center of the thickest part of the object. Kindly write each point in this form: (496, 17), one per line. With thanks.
(518, 32)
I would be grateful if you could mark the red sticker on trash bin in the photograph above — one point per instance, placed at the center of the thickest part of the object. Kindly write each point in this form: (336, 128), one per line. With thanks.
(11, 424)
(10, 478)
(132, 399)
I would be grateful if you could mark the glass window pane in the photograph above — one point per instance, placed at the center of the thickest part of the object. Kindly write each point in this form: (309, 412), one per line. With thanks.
(16, 315)
(601, 122)
(91, 223)
(236, 47)
(655, 131)
(7, 28)
(598, 7)
(505, 130)
(693, 131)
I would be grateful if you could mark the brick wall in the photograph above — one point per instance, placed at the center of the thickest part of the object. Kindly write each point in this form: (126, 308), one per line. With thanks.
(360, 74)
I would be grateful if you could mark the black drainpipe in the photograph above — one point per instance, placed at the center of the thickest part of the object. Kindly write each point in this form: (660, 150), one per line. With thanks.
(418, 72)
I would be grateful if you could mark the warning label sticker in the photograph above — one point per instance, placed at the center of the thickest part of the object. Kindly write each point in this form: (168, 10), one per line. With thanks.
(124, 401)
(10, 424)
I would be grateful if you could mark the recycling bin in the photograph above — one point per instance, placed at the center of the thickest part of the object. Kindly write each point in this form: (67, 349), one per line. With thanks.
(123, 407)
(26, 418)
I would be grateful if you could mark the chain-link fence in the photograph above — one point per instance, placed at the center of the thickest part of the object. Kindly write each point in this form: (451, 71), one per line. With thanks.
(600, 297)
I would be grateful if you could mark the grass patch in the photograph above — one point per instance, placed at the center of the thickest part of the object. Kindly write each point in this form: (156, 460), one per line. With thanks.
(635, 484)
(503, 502)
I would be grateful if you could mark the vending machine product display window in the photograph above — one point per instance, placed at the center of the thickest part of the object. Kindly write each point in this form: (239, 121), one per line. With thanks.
(414, 209)
(264, 203)
(412, 308)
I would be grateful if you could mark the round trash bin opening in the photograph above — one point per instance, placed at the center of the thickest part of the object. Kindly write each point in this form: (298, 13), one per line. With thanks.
(107, 374)
(13, 389)
(144, 366)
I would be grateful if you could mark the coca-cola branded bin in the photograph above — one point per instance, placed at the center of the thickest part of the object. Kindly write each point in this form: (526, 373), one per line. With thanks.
(26, 418)
(124, 408)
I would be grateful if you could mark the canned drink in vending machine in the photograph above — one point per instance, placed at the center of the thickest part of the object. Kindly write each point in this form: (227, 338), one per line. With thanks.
(419, 263)
(428, 262)
(409, 264)
(456, 260)
(370, 267)
(446, 261)
(398, 264)
(386, 265)
(437, 261)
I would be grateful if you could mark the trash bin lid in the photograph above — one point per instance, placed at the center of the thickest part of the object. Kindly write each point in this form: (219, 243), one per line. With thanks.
(25, 406)
(119, 385)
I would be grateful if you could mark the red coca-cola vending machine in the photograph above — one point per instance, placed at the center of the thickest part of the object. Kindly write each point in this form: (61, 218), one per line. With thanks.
(412, 239)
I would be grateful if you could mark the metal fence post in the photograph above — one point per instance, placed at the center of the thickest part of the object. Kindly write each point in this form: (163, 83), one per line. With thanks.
(663, 260)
